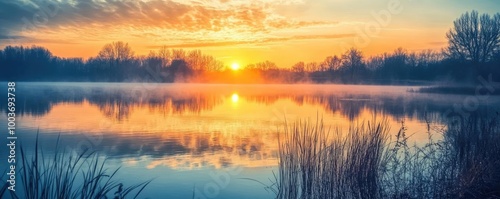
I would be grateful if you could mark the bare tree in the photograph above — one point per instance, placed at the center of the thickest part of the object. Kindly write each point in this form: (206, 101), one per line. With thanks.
(196, 60)
(331, 63)
(116, 59)
(178, 54)
(474, 38)
(352, 58)
(117, 51)
(165, 55)
(299, 67)
(375, 62)
(312, 67)
(427, 57)
(352, 61)
(266, 65)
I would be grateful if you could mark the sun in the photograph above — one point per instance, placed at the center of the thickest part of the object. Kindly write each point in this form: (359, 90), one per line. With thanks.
(235, 66)
(235, 97)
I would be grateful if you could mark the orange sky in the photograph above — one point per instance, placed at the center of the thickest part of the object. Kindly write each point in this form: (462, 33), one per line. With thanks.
(282, 31)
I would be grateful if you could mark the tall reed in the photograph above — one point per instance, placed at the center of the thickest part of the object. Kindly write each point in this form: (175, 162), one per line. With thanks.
(364, 163)
(65, 175)
(314, 164)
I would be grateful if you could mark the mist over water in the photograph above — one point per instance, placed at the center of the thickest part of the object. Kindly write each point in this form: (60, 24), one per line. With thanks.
(186, 131)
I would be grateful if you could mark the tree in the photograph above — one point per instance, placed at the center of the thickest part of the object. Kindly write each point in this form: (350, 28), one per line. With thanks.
(181, 70)
(395, 64)
(165, 55)
(375, 62)
(331, 63)
(299, 67)
(352, 61)
(312, 67)
(118, 51)
(497, 56)
(115, 59)
(428, 57)
(195, 60)
(266, 65)
(178, 54)
(474, 38)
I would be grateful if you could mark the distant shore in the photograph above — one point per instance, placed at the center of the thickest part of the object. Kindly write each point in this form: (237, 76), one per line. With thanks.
(461, 90)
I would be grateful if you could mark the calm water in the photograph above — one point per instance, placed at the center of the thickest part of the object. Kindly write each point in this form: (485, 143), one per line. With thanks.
(207, 139)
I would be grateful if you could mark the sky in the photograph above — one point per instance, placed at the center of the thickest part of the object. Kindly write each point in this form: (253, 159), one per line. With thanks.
(235, 31)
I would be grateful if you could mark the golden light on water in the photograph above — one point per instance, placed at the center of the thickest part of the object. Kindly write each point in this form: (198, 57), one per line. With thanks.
(248, 124)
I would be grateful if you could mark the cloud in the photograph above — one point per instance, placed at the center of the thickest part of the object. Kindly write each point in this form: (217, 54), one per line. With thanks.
(11, 13)
(20, 18)
(306, 37)
(259, 41)
(438, 43)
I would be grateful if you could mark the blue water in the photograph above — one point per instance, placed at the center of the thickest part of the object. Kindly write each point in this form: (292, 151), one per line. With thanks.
(213, 141)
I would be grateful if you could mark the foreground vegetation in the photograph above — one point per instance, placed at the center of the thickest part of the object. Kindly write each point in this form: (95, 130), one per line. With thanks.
(368, 163)
(68, 176)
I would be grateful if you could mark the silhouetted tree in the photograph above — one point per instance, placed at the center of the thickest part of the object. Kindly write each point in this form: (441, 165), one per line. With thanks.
(116, 58)
(181, 70)
(154, 68)
(299, 67)
(266, 65)
(116, 51)
(375, 62)
(165, 55)
(312, 67)
(496, 56)
(332, 63)
(395, 64)
(474, 38)
(178, 54)
(197, 61)
(27, 63)
(428, 57)
(299, 72)
(352, 62)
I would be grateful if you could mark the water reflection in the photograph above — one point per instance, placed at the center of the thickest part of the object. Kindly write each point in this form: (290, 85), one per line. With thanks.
(117, 102)
(114, 102)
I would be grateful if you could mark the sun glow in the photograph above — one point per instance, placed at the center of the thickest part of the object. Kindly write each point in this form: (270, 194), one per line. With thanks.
(235, 97)
(235, 66)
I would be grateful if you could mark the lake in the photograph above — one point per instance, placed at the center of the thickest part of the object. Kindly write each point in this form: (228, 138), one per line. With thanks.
(214, 141)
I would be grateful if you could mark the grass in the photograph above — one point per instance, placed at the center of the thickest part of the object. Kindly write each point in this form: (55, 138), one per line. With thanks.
(314, 164)
(464, 164)
(65, 175)
(365, 163)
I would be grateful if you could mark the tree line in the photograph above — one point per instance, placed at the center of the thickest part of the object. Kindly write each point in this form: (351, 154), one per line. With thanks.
(116, 62)
(473, 49)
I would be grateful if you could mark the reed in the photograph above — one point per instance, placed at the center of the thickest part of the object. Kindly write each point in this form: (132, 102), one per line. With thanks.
(365, 162)
(463, 164)
(66, 175)
(314, 164)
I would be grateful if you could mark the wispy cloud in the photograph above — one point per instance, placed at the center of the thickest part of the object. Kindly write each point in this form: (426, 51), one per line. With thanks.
(201, 44)
(82, 17)
(438, 43)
